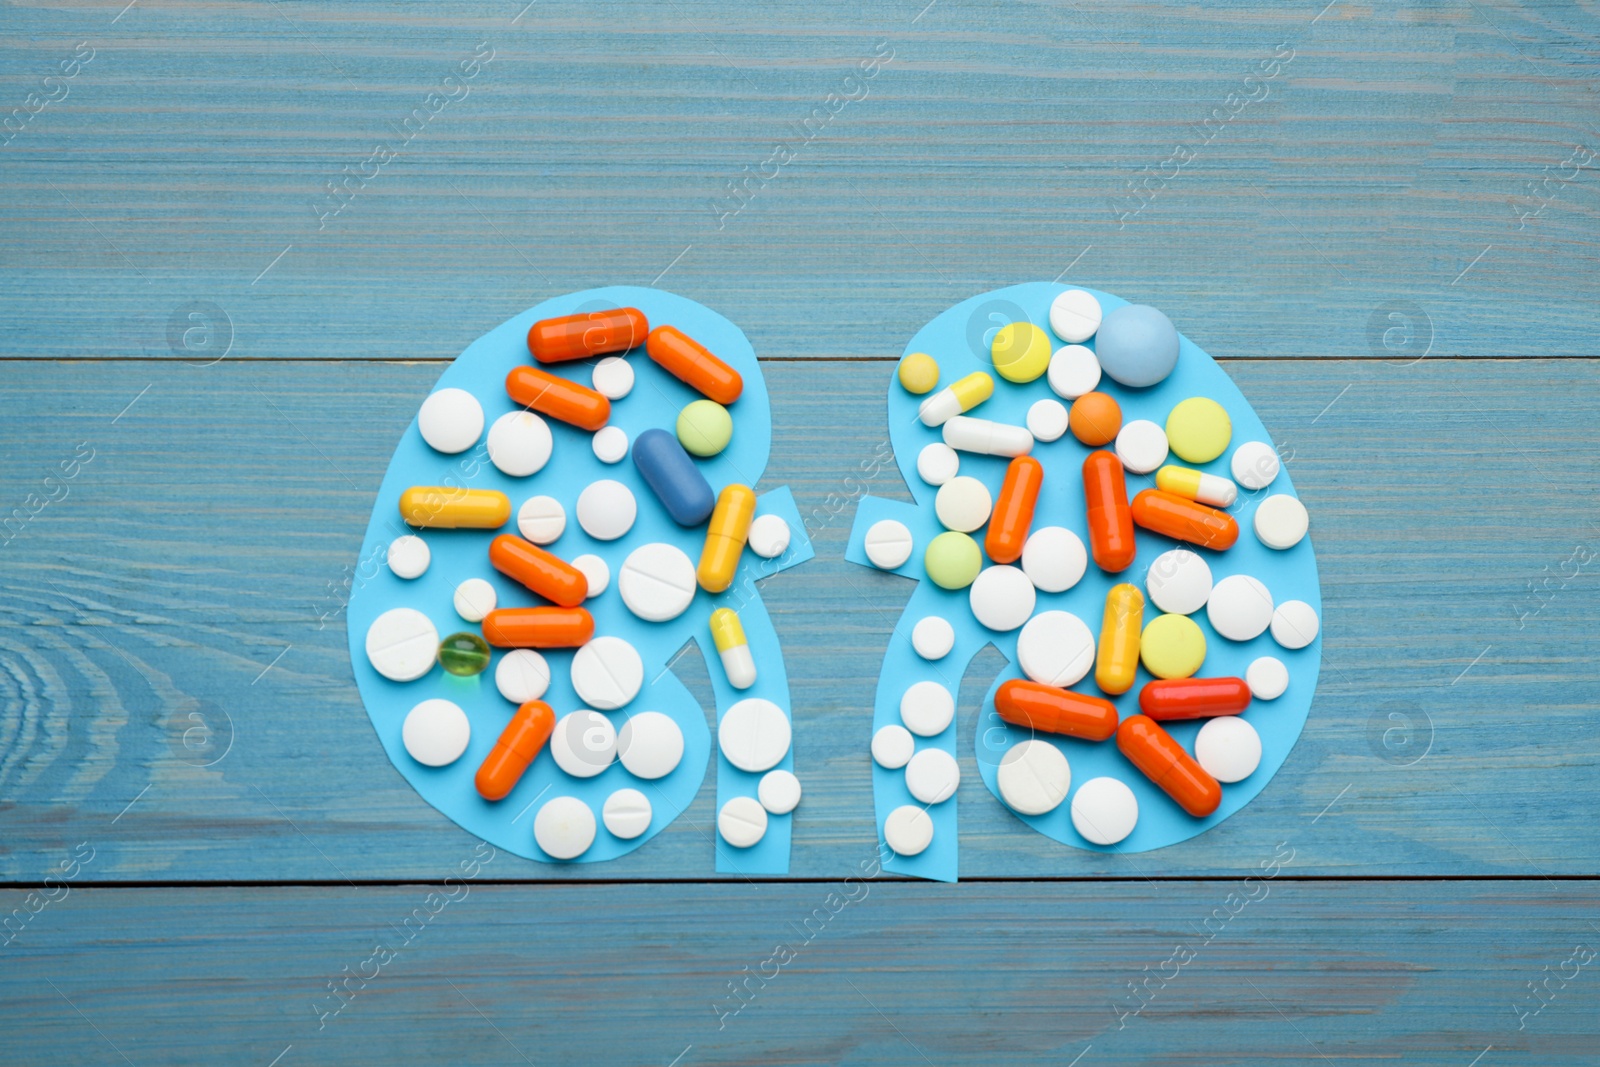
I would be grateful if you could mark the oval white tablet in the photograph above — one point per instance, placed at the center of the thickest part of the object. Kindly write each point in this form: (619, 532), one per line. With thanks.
(1179, 582)
(1267, 678)
(595, 572)
(1228, 748)
(1281, 521)
(522, 675)
(610, 444)
(475, 598)
(657, 582)
(1074, 370)
(754, 734)
(626, 814)
(613, 377)
(1255, 464)
(1034, 777)
(1002, 598)
(742, 822)
(402, 644)
(408, 556)
(893, 746)
(937, 463)
(888, 544)
(908, 830)
(1240, 608)
(436, 733)
(927, 708)
(606, 509)
(541, 519)
(933, 775)
(1054, 559)
(519, 443)
(933, 637)
(1141, 446)
(963, 503)
(769, 536)
(584, 743)
(564, 828)
(1047, 419)
(607, 673)
(1294, 624)
(650, 745)
(779, 792)
(450, 420)
(1055, 648)
(1104, 811)
(1075, 315)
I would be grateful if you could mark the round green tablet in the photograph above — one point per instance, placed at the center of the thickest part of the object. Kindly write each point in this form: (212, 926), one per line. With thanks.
(704, 428)
(1172, 646)
(953, 560)
(1198, 430)
(464, 654)
(919, 373)
(1021, 352)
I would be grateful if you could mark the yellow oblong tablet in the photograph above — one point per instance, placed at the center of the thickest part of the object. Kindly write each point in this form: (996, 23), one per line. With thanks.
(444, 507)
(1172, 646)
(1117, 662)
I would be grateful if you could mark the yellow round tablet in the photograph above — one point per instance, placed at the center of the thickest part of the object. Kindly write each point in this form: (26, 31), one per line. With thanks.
(919, 373)
(1198, 430)
(1172, 646)
(1021, 352)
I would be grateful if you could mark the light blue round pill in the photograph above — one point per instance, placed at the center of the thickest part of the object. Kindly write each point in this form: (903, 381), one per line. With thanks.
(1137, 345)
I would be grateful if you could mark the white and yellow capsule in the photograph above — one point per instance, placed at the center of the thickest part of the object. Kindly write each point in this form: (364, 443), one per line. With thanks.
(956, 398)
(728, 635)
(1198, 486)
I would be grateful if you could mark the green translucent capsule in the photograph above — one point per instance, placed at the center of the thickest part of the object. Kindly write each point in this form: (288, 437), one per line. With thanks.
(464, 654)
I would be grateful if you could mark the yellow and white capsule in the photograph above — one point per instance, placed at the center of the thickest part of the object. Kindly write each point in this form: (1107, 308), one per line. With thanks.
(957, 398)
(1198, 486)
(728, 634)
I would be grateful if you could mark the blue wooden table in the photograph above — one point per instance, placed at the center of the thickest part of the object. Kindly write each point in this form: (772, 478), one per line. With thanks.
(241, 240)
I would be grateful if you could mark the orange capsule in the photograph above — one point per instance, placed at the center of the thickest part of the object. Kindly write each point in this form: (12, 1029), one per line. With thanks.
(691, 363)
(547, 394)
(1193, 698)
(1162, 760)
(542, 572)
(1055, 711)
(538, 627)
(582, 336)
(1105, 493)
(519, 743)
(1184, 520)
(1013, 510)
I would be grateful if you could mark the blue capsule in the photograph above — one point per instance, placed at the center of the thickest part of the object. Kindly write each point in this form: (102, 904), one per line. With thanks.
(673, 477)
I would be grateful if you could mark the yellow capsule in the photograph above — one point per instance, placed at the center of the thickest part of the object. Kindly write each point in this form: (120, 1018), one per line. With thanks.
(1117, 662)
(957, 398)
(727, 632)
(444, 507)
(1211, 489)
(725, 537)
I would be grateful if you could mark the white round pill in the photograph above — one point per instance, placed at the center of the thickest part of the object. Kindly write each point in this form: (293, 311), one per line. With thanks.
(769, 536)
(927, 708)
(606, 509)
(607, 673)
(408, 556)
(933, 637)
(1294, 624)
(1255, 464)
(541, 519)
(754, 734)
(963, 503)
(1281, 521)
(522, 675)
(1104, 811)
(893, 746)
(779, 792)
(650, 745)
(626, 813)
(613, 377)
(1047, 420)
(888, 544)
(657, 582)
(584, 743)
(402, 644)
(1228, 748)
(436, 733)
(1075, 315)
(1034, 777)
(519, 443)
(1240, 608)
(1141, 446)
(1074, 370)
(1002, 598)
(908, 830)
(1267, 678)
(610, 444)
(450, 420)
(1055, 648)
(1054, 559)
(475, 598)
(1179, 582)
(564, 828)
(595, 571)
(938, 463)
(933, 775)
(742, 822)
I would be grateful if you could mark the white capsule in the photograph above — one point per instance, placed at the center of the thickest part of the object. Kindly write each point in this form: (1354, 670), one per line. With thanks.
(739, 665)
(986, 437)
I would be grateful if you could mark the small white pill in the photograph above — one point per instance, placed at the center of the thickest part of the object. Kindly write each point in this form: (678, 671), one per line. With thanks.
(402, 644)
(1179, 582)
(1240, 608)
(584, 743)
(933, 775)
(607, 673)
(606, 509)
(927, 708)
(1141, 446)
(1294, 624)
(1054, 559)
(564, 828)
(1267, 678)
(888, 544)
(963, 504)
(908, 830)
(650, 745)
(657, 582)
(595, 571)
(610, 444)
(742, 822)
(613, 377)
(987, 438)
(893, 746)
(522, 675)
(933, 637)
(937, 463)
(1075, 315)
(769, 536)
(1104, 811)
(1034, 777)
(1047, 419)
(450, 420)
(1228, 748)
(1055, 648)
(541, 519)
(408, 556)
(1002, 598)
(436, 733)
(1255, 464)
(779, 792)
(1074, 370)
(754, 734)
(519, 443)
(627, 814)
(475, 598)
(1281, 521)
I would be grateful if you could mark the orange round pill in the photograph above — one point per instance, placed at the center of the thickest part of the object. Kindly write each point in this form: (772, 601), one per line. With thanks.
(1095, 419)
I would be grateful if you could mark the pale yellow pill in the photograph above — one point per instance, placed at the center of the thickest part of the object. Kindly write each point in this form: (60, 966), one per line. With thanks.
(1198, 430)
(1021, 352)
(919, 373)
(1172, 646)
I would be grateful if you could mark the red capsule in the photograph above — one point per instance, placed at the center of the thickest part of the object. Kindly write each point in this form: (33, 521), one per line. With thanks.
(1165, 700)
(595, 333)
(1055, 711)
(1184, 520)
(538, 627)
(519, 743)
(558, 398)
(542, 572)
(1162, 760)
(693, 364)
(1013, 510)
(1105, 495)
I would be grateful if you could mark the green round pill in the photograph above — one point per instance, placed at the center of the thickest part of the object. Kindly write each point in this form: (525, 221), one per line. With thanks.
(953, 560)
(704, 428)
(464, 654)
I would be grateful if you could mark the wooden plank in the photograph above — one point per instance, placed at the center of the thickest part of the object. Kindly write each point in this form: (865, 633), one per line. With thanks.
(188, 568)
